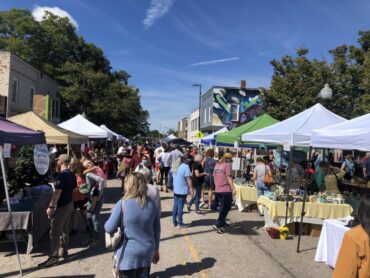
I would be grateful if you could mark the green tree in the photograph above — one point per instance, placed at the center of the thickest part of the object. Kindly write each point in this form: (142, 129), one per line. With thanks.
(295, 84)
(88, 83)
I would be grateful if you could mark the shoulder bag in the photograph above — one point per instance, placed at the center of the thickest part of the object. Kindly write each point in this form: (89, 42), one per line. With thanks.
(112, 241)
(267, 179)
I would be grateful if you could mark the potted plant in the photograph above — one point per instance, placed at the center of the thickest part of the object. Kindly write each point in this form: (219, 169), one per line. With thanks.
(283, 232)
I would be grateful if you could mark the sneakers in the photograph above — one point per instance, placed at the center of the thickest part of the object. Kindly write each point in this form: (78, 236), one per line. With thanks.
(219, 230)
(48, 263)
(182, 226)
(202, 204)
(64, 254)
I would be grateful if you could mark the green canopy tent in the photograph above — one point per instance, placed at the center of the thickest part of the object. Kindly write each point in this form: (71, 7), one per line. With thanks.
(235, 135)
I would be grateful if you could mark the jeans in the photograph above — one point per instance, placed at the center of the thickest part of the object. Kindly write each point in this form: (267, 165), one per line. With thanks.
(59, 231)
(261, 188)
(196, 197)
(164, 174)
(133, 273)
(226, 199)
(178, 206)
(94, 219)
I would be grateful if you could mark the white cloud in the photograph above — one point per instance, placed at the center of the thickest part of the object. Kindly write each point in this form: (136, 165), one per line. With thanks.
(214, 62)
(38, 13)
(156, 10)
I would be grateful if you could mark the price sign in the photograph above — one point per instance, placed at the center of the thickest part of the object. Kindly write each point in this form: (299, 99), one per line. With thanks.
(41, 158)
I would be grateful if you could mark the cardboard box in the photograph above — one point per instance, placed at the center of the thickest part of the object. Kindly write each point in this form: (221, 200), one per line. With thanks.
(315, 230)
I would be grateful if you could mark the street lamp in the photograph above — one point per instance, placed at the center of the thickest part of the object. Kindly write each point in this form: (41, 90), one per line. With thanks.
(200, 99)
(326, 94)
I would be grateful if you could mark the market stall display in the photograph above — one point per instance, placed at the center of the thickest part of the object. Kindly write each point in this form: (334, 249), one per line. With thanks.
(316, 211)
(246, 195)
(330, 241)
(29, 216)
(15, 134)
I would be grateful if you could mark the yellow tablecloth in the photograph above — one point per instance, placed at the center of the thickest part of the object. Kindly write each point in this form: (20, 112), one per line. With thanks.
(245, 196)
(313, 210)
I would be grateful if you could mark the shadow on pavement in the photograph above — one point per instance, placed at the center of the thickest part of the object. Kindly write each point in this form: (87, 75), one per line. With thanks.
(186, 270)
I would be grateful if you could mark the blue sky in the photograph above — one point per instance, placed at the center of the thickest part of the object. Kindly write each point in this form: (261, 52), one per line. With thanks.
(163, 43)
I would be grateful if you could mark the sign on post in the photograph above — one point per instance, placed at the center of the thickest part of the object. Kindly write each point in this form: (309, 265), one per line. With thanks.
(199, 135)
(41, 158)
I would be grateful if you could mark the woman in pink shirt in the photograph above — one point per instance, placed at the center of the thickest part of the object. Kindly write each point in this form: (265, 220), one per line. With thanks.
(224, 189)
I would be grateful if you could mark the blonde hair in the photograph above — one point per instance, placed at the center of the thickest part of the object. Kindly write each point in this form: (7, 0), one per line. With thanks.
(136, 188)
(198, 158)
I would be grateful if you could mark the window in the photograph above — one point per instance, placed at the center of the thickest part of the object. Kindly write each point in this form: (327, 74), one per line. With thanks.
(209, 115)
(234, 112)
(14, 91)
(32, 94)
(205, 116)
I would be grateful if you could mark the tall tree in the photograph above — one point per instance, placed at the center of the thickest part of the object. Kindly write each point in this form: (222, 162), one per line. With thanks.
(88, 83)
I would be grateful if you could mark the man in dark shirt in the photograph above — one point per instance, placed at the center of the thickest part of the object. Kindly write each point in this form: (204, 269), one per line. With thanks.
(366, 166)
(59, 211)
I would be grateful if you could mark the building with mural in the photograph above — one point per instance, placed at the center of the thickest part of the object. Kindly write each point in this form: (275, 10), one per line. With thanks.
(229, 106)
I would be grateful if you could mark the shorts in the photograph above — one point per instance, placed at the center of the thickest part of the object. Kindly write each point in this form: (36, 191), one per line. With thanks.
(80, 204)
(157, 166)
(209, 183)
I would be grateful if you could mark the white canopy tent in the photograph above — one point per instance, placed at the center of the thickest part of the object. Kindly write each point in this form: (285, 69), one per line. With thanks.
(80, 125)
(297, 130)
(171, 136)
(210, 138)
(118, 136)
(351, 135)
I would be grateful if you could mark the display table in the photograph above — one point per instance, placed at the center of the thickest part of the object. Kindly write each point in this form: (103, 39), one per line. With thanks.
(331, 237)
(35, 222)
(245, 196)
(274, 211)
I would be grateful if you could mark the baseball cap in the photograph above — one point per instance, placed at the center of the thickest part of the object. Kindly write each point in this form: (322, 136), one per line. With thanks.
(64, 158)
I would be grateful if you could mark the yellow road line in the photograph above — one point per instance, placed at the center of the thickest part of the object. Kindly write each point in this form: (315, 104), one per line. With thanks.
(193, 251)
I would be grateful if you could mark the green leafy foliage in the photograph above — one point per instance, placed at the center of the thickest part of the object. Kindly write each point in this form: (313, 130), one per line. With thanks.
(88, 83)
(297, 81)
(25, 171)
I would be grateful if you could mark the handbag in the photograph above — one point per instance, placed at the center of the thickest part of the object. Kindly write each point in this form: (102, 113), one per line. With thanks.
(84, 189)
(267, 179)
(112, 241)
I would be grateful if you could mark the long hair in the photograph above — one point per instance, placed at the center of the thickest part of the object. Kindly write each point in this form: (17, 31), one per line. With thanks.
(364, 213)
(136, 188)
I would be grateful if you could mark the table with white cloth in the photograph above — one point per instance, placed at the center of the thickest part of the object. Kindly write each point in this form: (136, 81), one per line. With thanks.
(246, 195)
(331, 237)
(315, 213)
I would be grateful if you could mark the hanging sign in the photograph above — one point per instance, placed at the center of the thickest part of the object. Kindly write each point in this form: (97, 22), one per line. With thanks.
(41, 158)
(7, 149)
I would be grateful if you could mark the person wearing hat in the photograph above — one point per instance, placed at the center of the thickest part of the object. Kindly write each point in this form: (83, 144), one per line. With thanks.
(59, 211)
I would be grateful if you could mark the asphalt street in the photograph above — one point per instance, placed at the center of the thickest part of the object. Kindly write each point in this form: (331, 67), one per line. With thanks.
(245, 250)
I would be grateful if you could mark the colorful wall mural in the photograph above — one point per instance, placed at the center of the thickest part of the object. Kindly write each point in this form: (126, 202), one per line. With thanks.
(227, 100)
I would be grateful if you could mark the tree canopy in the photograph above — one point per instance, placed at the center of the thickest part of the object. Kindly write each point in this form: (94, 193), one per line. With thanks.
(297, 81)
(88, 82)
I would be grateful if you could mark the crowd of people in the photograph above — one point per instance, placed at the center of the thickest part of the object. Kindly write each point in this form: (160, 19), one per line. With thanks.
(195, 177)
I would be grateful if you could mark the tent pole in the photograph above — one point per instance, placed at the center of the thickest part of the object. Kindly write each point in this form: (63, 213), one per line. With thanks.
(289, 184)
(9, 209)
(237, 157)
(304, 198)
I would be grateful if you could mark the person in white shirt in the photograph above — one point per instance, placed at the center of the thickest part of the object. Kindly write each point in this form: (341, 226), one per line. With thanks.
(165, 166)
(158, 151)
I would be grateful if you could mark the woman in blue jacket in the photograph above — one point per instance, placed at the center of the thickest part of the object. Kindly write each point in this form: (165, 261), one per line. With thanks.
(141, 222)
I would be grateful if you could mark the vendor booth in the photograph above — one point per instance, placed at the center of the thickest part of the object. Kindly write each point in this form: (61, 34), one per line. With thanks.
(12, 133)
(53, 133)
(293, 132)
(118, 136)
(210, 139)
(81, 125)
